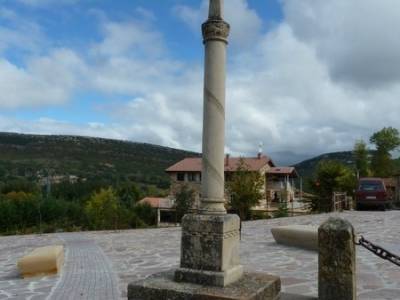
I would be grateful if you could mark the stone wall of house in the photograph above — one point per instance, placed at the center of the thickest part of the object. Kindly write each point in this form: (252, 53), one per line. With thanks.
(193, 181)
(285, 190)
(195, 185)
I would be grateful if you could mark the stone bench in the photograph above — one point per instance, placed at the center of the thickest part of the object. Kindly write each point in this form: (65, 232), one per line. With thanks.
(301, 236)
(42, 261)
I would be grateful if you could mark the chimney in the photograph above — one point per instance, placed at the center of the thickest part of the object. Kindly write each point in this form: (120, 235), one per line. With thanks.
(227, 160)
(260, 150)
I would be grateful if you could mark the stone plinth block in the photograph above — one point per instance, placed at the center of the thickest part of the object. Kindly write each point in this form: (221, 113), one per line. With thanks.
(210, 250)
(337, 260)
(42, 261)
(251, 286)
(301, 236)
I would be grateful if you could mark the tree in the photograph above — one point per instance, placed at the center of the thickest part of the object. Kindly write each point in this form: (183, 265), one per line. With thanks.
(360, 153)
(184, 201)
(19, 185)
(128, 193)
(330, 176)
(25, 210)
(144, 215)
(3, 172)
(385, 140)
(245, 190)
(103, 209)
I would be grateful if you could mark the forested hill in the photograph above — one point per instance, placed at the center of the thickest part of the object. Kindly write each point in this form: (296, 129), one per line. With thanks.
(32, 156)
(306, 168)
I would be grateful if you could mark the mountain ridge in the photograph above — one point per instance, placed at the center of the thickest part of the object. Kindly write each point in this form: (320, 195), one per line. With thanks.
(31, 155)
(95, 157)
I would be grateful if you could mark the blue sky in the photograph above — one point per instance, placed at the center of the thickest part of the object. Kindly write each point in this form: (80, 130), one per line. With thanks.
(303, 76)
(75, 24)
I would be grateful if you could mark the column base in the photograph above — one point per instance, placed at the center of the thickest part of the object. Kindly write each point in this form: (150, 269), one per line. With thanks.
(251, 286)
(209, 277)
(210, 250)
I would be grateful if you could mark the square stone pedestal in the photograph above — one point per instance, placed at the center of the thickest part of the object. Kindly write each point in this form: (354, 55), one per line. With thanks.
(162, 286)
(210, 250)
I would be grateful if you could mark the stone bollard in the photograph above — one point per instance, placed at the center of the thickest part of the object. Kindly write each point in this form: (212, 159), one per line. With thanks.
(336, 260)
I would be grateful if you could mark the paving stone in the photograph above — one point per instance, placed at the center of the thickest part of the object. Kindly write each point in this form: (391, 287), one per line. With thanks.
(136, 254)
(87, 273)
(297, 268)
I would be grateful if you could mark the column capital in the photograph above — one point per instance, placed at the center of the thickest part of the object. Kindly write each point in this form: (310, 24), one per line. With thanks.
(214, 29)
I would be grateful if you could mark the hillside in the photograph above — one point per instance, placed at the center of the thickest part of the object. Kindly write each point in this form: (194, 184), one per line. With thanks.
(306, 168)
(33, 156)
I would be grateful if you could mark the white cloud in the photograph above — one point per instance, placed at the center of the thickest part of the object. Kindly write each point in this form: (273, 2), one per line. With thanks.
(357, 39)
(17, 33)
(288, 100)
(129, 38)
(301, 87)
(46, 80)
(146, 14)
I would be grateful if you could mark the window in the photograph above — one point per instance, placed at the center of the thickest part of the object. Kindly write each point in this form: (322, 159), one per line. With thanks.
(192, 176)
(180, 176)
(228, 176)
(371, 186)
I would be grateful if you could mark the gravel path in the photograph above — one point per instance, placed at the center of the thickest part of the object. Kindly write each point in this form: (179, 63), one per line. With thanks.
(87, 273)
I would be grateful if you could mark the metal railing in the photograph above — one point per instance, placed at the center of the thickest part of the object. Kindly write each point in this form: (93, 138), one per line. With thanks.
(340, 201)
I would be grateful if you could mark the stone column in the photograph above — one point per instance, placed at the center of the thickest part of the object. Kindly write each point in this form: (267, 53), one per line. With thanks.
(336, 261)
(215, 34)
(210, 266)
(210, 241)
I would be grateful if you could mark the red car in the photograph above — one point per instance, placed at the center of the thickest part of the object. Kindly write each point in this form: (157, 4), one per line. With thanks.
(372, 192)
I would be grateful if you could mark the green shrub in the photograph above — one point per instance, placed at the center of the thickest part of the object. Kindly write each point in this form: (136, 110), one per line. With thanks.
(103, 210)
(145, 214)
(282, 211)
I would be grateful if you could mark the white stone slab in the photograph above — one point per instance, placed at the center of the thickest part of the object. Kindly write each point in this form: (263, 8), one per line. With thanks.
(42, 261)
(300, 236)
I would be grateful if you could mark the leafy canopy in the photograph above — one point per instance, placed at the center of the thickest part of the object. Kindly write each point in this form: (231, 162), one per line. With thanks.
(360, 153)
(185, 198)
(331, 176)
(245, 190)
(102, 209)
(385, 140)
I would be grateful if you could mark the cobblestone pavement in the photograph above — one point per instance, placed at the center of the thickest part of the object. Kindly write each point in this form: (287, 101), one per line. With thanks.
(87, 273)
(136, 254)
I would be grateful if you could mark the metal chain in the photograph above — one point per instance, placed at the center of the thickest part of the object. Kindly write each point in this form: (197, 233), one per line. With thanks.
(378, 251)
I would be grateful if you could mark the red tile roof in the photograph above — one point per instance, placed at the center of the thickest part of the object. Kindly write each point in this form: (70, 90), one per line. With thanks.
(194, 164)
(157, 202)
(283, 171)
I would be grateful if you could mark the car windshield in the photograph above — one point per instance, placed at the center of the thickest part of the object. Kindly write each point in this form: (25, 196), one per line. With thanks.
(371, 186)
